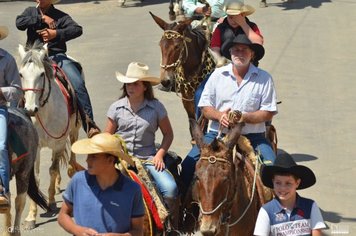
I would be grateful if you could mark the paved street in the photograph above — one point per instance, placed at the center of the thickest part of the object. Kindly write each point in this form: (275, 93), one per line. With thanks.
(310, 51)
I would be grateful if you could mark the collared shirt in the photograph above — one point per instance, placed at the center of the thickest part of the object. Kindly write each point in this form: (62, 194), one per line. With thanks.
(10, 83)
(138, 129)
(217, 7)
(109, 210)
(255, 92)
(273, 219)
(66, 28)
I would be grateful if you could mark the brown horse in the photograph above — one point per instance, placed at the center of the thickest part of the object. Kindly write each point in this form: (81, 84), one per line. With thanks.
(227, 190)
(185, 59)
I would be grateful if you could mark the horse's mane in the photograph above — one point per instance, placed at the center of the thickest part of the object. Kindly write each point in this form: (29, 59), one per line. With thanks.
(33, 56)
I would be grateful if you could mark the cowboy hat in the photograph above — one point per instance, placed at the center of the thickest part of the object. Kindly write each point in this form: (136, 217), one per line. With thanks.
(4, 32)
(101, 143)
(285, 164)
(237, 7)
(137, 71)
(242, 39)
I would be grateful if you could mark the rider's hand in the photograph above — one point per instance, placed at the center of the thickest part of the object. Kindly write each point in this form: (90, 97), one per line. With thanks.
(206, 11)
(85, 231)
(48, 34)
(240, 19)
(224, 118)
(158, 162)
(49, 21)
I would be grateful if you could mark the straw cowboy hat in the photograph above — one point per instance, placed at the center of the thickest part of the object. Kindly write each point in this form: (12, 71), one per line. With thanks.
(101, 143)
(4, 32)
(242, 38)
(137, 71)
(285, 164)
(237, 7)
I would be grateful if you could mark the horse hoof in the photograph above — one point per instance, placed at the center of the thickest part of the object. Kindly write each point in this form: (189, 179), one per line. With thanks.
(29, 225)
(121, 3)
(263, 4)
(53, 206)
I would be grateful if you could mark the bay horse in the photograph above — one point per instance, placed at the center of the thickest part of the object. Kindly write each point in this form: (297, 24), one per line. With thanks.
(227, 189)
(54, 116)
(21, 130)
(185, 59)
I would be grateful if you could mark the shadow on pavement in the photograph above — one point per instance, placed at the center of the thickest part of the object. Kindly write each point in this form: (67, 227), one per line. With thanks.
(335, 217)
(299, 4)
(298, 157)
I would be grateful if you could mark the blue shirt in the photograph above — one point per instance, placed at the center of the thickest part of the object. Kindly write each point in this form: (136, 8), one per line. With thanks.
(108, 210)
(255, 92)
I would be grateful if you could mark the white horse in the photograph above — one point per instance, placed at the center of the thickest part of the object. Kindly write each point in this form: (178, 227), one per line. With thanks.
(57, 125)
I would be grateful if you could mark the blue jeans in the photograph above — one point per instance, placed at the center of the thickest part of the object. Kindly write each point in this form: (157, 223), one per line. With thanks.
(4, 156)
(197, 95)
(73, 74)
(258, 142)
(164, 180)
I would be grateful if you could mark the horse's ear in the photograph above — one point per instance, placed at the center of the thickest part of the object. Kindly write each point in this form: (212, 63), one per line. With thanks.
(160, 22)
(197, 133)
(22, 51)
(233, 135)
(44, 51)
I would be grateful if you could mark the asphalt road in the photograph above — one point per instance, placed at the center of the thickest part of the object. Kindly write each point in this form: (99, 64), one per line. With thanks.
(310, 52)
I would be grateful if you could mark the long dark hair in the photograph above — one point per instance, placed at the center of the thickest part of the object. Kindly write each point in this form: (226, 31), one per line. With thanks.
(148, 94)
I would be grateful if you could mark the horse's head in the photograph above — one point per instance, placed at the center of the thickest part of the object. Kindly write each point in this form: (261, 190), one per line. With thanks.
(173, 47)
(34, 69)
(215, 184)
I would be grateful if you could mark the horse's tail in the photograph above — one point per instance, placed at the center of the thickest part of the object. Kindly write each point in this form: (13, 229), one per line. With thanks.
(35, 194)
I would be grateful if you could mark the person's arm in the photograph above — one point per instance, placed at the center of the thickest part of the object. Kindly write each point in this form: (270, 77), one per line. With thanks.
(167, 132)
(29, 18)
(250, 33)
(66, 221)
(111, 126)
(190, 6)
(68, 29)
(316, 232)
(12, 91)
(257, 116)
(136, 229)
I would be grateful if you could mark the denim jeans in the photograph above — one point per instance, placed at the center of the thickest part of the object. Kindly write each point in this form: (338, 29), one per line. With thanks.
(73, 74)
(4, 157)
(258, 142)
(164, 181)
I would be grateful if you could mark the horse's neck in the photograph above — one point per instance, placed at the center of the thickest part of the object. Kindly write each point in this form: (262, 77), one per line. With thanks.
(196, 49)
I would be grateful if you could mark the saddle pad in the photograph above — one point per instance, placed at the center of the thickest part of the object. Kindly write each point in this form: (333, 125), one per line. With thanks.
(148, 200)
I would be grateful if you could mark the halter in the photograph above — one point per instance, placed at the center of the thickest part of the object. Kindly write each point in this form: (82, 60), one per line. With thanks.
(41, 90)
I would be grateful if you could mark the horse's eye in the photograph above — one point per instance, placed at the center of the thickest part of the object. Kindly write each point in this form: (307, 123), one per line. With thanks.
(42, 74)
(20, 75)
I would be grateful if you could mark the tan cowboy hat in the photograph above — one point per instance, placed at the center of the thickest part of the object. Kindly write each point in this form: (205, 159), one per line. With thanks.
(4, 32)
(101, 143)
(237, 7)
(137, 71)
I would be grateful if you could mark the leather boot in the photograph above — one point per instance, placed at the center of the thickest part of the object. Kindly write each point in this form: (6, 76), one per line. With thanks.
(173, 218)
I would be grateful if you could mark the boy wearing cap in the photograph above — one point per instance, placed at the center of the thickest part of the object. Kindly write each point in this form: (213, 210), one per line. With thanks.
(101, 199)
(10, 91)
(46, 24)
(238, 86)
(288, 213)
(234, 24)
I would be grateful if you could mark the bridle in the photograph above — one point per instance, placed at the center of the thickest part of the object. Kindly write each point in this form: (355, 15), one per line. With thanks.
(171, 34)
(213, 160)
(41, 90)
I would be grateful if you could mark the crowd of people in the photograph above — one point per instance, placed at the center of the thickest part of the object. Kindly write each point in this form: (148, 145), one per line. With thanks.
(237, 84)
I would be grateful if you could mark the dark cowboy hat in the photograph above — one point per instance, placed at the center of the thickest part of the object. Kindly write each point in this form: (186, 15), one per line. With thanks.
(242, 38)
(285, 164)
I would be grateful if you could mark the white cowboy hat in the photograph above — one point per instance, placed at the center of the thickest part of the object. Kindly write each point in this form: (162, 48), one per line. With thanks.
(102, 143)
(137, 71)
(237, 7)
(4, 32)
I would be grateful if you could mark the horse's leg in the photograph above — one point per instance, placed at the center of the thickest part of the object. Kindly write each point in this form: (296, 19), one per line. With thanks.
(189, 108)
(74, 166)
(54, 178)
(7, 222)
(171, 13)
(30, 221)
(20, 202)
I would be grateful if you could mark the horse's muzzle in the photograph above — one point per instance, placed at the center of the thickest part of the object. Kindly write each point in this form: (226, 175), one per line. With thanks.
(31, 112)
